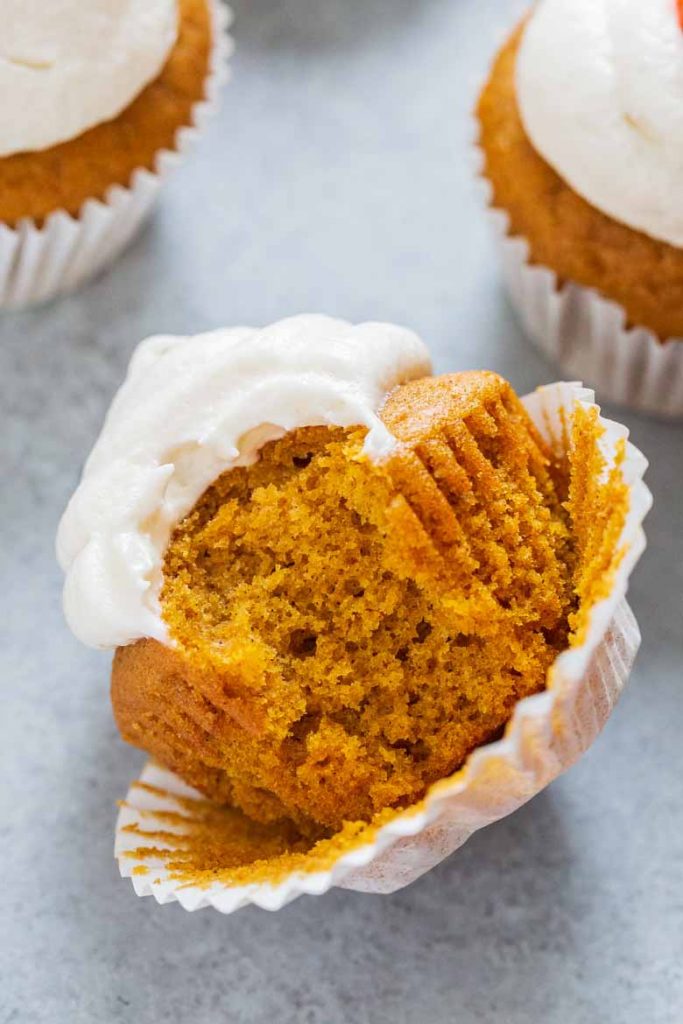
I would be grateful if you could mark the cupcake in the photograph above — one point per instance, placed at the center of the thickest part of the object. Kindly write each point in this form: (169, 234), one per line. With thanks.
(99, 100)
(331, 579)
(581, 132)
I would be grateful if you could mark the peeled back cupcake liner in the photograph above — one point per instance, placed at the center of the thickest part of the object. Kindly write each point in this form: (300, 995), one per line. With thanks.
(584, 334)
(39, 262)
(546, 734)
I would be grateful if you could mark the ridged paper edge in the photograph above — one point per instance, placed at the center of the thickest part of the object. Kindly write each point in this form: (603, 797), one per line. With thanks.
(585, 334)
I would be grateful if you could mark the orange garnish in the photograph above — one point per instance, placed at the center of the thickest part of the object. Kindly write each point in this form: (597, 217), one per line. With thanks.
(680, 12)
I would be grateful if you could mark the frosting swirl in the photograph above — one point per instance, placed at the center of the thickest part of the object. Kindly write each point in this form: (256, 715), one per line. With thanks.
(600, 92)
(68, 65)
(189, 409)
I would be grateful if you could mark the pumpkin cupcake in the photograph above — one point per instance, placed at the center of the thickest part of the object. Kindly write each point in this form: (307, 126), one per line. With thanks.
(581, 131)
(100, 99)
(330, 578)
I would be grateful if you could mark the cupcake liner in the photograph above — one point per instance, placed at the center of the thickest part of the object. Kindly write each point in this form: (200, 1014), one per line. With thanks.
(39, 262)
(545, 735)
(585, 334)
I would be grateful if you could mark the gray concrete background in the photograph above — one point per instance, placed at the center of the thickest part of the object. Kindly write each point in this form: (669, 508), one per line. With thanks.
(337, 179)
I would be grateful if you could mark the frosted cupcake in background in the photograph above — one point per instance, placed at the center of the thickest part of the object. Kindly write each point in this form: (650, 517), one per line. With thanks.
(99, 100)
(581, 129)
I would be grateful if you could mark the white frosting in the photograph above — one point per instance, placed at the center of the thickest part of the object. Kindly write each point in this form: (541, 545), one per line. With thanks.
(189, 409)
(67, 65)
(600, 91)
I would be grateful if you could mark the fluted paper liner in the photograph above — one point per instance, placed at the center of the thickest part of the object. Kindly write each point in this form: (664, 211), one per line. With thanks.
(39, 262)
(586, 335)
(546, 734)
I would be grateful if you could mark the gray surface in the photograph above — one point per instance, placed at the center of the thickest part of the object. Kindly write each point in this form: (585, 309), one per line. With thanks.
(336, 179)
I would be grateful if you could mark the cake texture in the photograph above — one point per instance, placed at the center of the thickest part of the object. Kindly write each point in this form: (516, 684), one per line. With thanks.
(63, 176)
(345, 632)
(564, 232)
(189, 409)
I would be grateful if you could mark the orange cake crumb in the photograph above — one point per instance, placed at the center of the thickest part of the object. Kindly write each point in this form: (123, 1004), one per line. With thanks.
(598, 504)
(349, 631)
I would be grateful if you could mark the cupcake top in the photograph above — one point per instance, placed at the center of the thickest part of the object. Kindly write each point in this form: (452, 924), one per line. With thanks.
(69, 65)
(191, 408)
(600, 92)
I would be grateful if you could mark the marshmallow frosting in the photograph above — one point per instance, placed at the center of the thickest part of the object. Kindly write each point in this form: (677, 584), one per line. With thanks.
(68, 65)
(600, 92)
(190, 408)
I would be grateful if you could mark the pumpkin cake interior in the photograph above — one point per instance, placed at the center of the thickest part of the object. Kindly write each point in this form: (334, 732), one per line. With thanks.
(346, 630)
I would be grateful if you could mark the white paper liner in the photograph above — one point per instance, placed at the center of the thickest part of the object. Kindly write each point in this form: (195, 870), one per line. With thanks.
(39, 262)
(546, 734)
(585, 334)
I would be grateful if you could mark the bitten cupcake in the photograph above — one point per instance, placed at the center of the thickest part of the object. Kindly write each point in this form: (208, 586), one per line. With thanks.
(332, 582)
(581, 130)
(99, 100)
